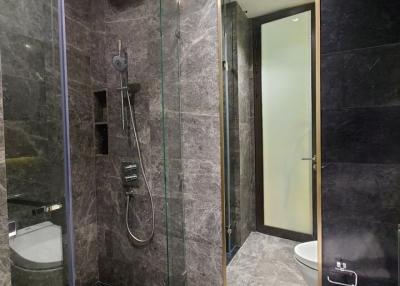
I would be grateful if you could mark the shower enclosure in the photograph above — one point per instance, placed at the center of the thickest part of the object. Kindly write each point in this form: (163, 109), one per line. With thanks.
(67, 139)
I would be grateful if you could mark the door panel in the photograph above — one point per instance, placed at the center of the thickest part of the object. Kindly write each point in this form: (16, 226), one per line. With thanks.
(287, 122)
(284, 123)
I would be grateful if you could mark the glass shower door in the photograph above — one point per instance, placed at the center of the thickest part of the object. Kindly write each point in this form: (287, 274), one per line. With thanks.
(231, 243)
(32, 196)
(172, 145)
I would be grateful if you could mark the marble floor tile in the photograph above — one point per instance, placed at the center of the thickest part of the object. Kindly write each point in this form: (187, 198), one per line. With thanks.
(264, 260)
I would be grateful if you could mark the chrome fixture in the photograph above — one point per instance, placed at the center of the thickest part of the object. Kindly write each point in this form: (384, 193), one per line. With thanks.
(309, 159)
(120, 63)
(12, 228)
(342, 267)
(52, 208)
(129, 174)
(131, 167)
(46, 209)
(314, 161)
(131, 178)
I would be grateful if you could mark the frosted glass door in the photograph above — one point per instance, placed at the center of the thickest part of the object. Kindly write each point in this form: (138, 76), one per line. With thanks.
(287, 123)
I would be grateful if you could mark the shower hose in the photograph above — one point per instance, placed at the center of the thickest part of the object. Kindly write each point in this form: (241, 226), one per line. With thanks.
(136, 240)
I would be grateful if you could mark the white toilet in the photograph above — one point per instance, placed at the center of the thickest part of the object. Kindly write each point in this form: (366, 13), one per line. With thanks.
(37, 255)
(306, 258)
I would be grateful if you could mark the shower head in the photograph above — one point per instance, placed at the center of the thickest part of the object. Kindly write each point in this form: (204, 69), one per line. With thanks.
(120, 63)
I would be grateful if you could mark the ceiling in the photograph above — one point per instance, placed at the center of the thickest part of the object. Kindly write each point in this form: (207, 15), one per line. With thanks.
(257, 8)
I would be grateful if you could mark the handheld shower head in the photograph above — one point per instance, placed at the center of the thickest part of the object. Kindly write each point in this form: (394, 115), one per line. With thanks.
(120, 63)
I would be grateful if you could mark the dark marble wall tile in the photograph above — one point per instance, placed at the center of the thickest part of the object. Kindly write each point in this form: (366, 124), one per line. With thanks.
(86, 264)
(201, 181)
(97, 12)
(201, 136)
(358, 24)
(121, 10)
(364, 233)
(81, 109)
(240, 103)
(362, 135)
(204, 263)
(246, 126)
(20, 61)
(78, 36)
(97, 60)
(371, 250)
(79, 11)
(362, 191)
(79, 67)
(29, 18)
(199, 95)
(359, 76)
(360, 100)
(247, 181)
(201, 142)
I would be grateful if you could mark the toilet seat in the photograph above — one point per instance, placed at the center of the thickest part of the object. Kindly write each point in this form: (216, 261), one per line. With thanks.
(306, 253)
(37, 247)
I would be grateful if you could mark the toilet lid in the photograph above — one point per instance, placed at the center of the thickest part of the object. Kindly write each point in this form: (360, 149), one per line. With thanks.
(38, 246)
(306, 253)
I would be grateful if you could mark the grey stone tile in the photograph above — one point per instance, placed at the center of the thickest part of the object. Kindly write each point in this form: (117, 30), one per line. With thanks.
(203, 49)
(78, 66)
(201, 137)
(117, 10)
(200, 14)
(241, 125)
(79, 10)
(201, 142)
(97, 15)
(78, 35)
(202, 180)
(204, 263)
(265, 260)
(28, 18)
(97, 60)
(86, 253)
(203, 220)
(200, 95)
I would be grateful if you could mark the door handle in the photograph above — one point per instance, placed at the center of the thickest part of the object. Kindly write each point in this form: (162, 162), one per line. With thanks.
(309, 159)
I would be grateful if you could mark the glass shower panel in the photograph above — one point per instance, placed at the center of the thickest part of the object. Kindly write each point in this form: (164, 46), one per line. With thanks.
(287, 123)
(171, 121)
(31, 119)
(231, 127)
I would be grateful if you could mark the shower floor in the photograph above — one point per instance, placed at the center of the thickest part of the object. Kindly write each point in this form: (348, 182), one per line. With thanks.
(264, 260)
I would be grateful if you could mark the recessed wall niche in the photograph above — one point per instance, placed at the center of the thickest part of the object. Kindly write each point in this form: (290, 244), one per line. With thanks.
(101, 123)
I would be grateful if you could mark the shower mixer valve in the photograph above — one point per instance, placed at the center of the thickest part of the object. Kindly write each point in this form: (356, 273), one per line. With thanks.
(129, 174)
